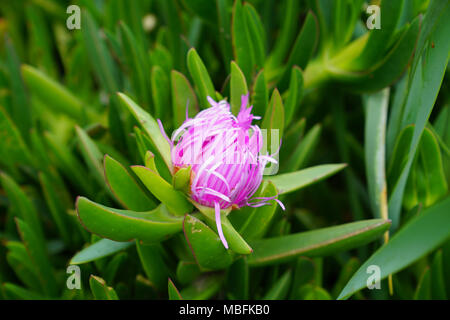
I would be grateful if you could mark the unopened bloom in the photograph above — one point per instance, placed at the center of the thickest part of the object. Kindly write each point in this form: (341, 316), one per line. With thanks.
(224, 153)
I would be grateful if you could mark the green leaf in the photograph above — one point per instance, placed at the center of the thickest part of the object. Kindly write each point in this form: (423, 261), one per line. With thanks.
(182, 96)
(208, 250)
(92, 156)
(379, 39)
(320, 242)
(280, 288)
(426, 183)
(205, 10)
(126, 225)
(238, 280)
(20, 107)
(304, 272)
(56, 206)
(423, 290)
(174, 294)
(175, 201)
(22, 265)
(350, 267)
(258, 222)
(15, 292)
(375, 141)
(13, 149)
(438, 278)
(22, 205)
(260, 94)
(124, 187)
(234, 239)
(100, 289)
(187, 271)
(293, 181)
(238, 88)
(153, 264)
(203, 288)
(295, 94)
(256, 34)
(286, 36)
(100, 59)
(304, 149)
(54, 95)
(304, 47)
(137, 60)
(160, 90)
(424, 233)
(201, 78)
(386, 71)
(150, 126)
(313, 292)
(98, 250)
(37, 252)
(114, 265)
(182, 179)
(243, 46)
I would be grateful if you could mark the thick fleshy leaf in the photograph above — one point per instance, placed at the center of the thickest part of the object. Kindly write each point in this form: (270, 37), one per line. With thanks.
(256, 34)
(126, 225)
(390, 12)
(295, 94)
(153, 264)
(320, 242)
(258, 222)
(100, 289)
(56, 206)
(98, 250)
(150, 126)
(242, 43)
(238, 87)
(238, 280)
(183, 96)
(182, 179)
(286, 36)
(175, 201)
(56, 97)
(38, 255)
(280, 288)
(160, 91)
(208, 250)
(22, 205)
(375, 140)
(438, 278)
(124, 187)
(204, 287)
(293, 181)
(174, 294)
(234, 239)
(385, 72)
(304, 47)
(92, 156)
(138, 62)
(187, 271)
(424, 233)
(200, 77)
(260, 95)
(303, 151)
(13, 149)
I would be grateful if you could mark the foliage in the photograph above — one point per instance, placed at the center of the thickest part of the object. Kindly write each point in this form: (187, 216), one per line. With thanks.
(86, 174)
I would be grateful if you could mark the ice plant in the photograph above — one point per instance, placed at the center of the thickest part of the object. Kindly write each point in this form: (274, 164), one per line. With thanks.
(224, 153)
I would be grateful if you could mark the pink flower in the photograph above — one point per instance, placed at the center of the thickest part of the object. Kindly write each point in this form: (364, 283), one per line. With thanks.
(224, 154)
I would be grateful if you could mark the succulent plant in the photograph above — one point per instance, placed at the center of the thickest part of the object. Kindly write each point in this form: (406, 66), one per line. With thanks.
(224, 149)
